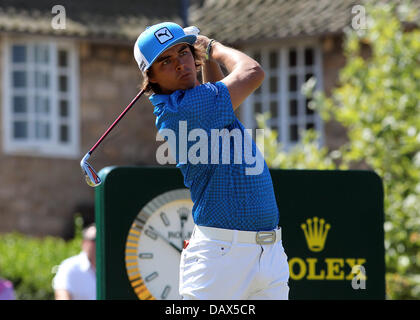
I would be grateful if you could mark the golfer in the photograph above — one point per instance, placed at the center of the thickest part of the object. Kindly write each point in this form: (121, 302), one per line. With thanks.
(235, 251)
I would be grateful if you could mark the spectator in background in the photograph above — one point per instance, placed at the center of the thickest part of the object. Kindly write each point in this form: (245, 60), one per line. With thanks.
(6, 290)
(76, 276)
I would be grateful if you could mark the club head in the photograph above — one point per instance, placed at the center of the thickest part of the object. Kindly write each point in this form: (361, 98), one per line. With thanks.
(91, 177)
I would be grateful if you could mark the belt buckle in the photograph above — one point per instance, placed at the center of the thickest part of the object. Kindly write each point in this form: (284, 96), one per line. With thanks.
(265, 237)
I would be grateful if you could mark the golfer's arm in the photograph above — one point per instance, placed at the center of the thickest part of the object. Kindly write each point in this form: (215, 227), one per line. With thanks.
(245, 74)
(211, 71)
(62, 294)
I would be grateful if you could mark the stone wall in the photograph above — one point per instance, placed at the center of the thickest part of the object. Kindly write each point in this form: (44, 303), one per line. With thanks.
(39, 195)
(333, 60)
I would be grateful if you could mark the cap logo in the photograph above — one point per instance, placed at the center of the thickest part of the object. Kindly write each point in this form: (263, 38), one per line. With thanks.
(163, 35)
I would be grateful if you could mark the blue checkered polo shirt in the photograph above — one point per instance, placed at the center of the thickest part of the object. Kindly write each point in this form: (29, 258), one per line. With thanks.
(223, 193)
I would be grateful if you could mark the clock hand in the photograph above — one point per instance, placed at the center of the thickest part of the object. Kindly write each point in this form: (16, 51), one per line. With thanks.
(183, 218)
(164, 239)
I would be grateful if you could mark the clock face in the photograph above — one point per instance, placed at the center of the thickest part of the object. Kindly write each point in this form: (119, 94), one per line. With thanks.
(154, 245)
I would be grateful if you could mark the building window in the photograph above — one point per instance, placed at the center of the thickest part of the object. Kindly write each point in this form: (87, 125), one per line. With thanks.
(286, 70)
(40, 101)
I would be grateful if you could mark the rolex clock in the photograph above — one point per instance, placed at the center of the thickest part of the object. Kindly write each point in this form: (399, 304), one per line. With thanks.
(154, 244)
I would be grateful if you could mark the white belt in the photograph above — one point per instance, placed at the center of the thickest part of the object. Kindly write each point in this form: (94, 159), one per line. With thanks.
(260, 237)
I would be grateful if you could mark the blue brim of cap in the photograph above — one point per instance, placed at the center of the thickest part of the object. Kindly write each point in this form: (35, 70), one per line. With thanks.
(189, 39)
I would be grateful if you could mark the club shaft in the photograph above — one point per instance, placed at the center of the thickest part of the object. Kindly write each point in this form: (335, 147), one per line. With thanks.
(116, 121)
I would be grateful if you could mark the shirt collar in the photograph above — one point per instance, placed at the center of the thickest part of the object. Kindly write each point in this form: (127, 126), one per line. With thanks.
(159, 101)
(162, 100)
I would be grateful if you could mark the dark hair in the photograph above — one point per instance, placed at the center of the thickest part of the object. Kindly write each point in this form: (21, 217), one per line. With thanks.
(199, 56)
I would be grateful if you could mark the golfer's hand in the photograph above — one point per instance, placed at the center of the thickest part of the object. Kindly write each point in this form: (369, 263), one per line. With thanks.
(211, 69)
(202, 41)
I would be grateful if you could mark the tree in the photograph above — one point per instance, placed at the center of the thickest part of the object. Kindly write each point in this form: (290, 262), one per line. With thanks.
(378, 102)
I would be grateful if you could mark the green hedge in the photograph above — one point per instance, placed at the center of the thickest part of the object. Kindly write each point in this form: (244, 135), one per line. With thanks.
(30, 262)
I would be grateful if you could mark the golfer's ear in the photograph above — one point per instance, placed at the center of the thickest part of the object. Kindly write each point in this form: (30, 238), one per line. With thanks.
(150, 76)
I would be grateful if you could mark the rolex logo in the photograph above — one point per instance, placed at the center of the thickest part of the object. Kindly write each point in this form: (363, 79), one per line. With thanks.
(315, 233)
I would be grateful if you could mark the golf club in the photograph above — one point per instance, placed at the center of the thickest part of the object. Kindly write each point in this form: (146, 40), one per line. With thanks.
(92, 178)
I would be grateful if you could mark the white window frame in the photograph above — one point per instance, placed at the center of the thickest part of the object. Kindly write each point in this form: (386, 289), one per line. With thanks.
(283, 95)
(51, 147)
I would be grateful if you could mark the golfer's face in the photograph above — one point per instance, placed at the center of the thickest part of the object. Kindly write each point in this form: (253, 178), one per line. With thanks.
(174, 69)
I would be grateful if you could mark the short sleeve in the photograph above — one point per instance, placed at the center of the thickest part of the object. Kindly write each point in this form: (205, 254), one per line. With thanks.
(207, 106)
(62, 279)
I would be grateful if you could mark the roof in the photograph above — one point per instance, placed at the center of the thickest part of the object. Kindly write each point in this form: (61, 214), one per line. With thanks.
(241, 20)
(231, 21)
(121, 20)
(236, 21)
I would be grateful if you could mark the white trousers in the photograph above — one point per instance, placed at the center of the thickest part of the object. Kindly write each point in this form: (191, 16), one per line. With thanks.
(232, 270)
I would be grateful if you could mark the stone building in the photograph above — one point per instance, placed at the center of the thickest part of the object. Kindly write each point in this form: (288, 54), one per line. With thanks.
(68, 71)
